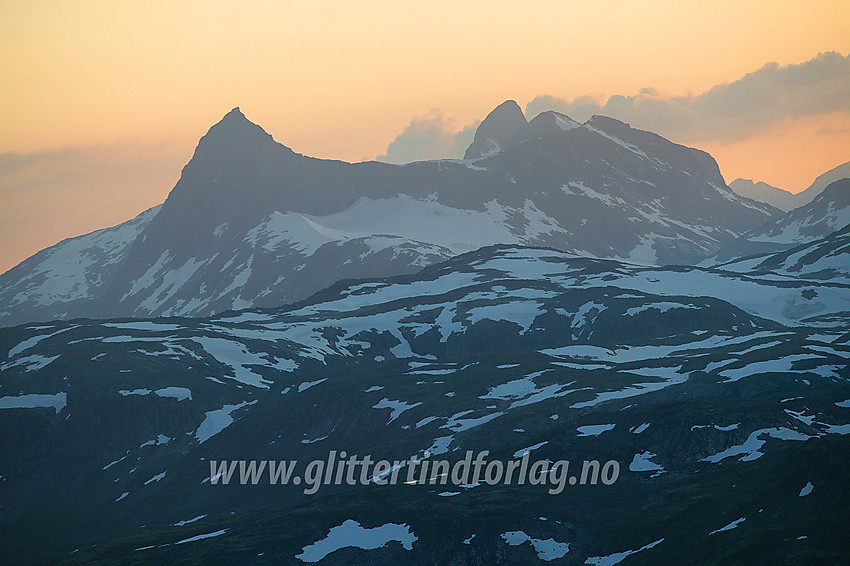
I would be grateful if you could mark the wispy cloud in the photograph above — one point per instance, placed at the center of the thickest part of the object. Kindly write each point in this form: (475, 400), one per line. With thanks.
(49, 195)
(759, 102)
(110, 167)
(431, 136)
(755, 103)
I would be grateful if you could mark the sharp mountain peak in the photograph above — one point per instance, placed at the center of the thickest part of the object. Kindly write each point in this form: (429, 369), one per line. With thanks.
(498, 130)
(233, 128)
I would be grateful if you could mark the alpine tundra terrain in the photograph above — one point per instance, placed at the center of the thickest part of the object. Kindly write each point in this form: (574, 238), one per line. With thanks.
(723, 397)
(252, 223)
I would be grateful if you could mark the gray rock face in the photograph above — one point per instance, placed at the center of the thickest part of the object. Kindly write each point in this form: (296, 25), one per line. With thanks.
(506, 126)
(499, 130)
(546, 124)
(252, 223)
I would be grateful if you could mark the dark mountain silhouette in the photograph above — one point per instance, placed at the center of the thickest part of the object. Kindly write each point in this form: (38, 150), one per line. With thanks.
(252, 223)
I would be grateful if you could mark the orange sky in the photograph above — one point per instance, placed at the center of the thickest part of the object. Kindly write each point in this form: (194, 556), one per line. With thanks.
(109, 98)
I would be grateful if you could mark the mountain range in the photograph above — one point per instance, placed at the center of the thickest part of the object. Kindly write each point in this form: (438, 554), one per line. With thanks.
(252, 223)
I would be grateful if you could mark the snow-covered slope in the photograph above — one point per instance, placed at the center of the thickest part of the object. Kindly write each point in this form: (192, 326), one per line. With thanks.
(827, 213)
(827, 259)
(58, 279)
(251, 223)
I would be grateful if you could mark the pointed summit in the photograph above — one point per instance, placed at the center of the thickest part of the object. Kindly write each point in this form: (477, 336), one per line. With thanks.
(498, 130)
(237, 169)
(231, 147)
(234, 118)
(234, 128)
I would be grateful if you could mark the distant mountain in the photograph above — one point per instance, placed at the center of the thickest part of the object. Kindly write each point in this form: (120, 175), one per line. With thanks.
(762, 192)
(808, 195)
(785, 200)
(252, 223)
(722, 397)
(827, 213)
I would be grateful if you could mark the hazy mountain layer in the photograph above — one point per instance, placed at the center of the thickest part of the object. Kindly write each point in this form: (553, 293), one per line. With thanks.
(785, 200)
(762, 192)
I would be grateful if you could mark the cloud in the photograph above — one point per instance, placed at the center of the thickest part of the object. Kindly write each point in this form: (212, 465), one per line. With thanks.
(112, 167)
(49, 195)
(763, 101)
(431, 136)
(757, 102)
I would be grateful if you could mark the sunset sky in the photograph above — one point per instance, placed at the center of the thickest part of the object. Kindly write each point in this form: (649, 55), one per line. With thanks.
(102, 102)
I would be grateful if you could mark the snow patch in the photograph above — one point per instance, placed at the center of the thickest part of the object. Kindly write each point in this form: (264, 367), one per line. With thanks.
(217, 420)
(57, 401)
(618, 557)
(594, 430)
(547, 550)
(733, 525)
(351, 534)
(201, 537)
